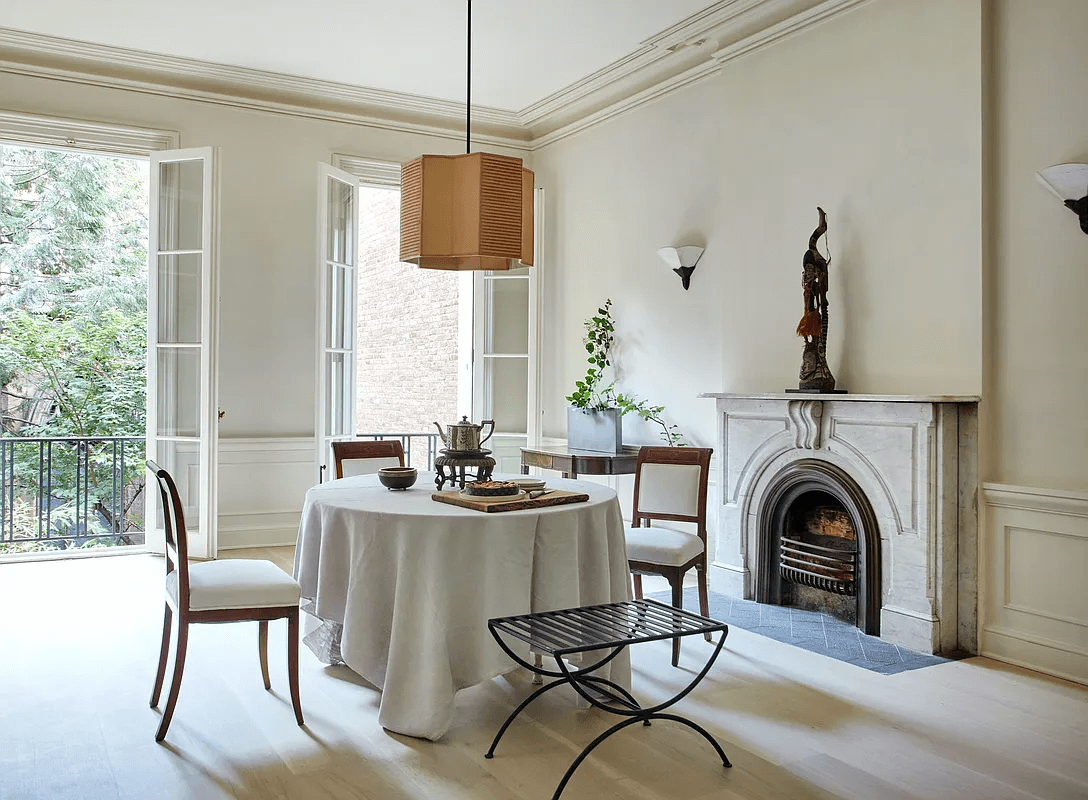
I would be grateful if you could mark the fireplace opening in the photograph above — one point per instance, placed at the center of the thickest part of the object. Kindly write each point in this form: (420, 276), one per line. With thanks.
(818, 557)
(819, 545)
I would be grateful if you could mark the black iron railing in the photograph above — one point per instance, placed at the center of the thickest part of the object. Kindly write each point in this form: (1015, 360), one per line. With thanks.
(420, 449)
(59, 493)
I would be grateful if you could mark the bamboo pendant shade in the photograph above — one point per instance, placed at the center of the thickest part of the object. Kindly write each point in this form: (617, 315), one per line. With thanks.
(466, 212)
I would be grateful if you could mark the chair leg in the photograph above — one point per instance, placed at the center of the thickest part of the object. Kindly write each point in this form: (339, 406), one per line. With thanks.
(637, 579)
(164, 655)
(175, 682)
(292, 663)
(704, 599)
(262, 645)
(677, 581)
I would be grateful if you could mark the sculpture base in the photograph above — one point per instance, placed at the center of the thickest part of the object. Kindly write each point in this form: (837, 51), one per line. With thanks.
(816, 391)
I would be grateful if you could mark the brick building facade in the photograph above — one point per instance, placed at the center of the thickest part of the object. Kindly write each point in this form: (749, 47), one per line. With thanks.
(407, 329)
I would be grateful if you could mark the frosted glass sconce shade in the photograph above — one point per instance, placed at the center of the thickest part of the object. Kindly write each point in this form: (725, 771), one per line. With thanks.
(682, 260)
(1069, 183)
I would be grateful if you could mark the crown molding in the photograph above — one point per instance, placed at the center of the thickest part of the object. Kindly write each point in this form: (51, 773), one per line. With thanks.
(689, 51)
(687, 78)
(711, 27)
(693, 31)
(39, 55)
(803, 20)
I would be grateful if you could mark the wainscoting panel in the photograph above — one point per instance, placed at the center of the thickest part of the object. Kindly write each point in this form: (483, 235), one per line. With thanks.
(1035, 561)
(262, 484)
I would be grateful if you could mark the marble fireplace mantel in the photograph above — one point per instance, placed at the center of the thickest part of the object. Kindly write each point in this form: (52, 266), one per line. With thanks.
(915, 458)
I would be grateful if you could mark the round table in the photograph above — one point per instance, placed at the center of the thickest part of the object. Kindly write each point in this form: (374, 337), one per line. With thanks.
(406, 584)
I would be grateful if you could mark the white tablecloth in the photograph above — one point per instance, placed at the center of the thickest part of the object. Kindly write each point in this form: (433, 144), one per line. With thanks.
(413, 583)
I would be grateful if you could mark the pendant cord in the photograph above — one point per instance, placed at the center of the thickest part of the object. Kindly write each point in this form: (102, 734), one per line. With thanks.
(468, 83)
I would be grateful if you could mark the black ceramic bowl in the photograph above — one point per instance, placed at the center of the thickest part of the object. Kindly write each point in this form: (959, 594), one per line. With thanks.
(397, 477)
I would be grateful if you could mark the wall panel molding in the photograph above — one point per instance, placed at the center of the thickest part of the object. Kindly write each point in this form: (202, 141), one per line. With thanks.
(262, 486)
(1034, 558)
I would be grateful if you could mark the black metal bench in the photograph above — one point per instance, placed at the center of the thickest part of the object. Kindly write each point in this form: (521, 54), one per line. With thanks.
(613, 627)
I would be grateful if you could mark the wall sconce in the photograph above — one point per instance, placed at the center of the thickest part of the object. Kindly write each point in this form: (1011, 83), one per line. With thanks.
(682, 260)
(1069, 183)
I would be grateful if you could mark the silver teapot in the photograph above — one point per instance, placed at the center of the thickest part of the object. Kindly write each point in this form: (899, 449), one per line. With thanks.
(464, 436)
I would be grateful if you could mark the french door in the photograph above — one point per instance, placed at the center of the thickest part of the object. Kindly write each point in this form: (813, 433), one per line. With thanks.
(182, 311)
(504, 369)
(337, 260)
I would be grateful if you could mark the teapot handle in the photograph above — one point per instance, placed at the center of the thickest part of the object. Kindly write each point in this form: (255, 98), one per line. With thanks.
(490, 422)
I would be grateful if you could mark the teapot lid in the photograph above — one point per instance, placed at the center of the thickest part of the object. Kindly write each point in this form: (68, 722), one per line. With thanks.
(464, 423)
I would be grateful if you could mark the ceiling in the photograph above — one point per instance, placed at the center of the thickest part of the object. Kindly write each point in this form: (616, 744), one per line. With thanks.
(522, 50)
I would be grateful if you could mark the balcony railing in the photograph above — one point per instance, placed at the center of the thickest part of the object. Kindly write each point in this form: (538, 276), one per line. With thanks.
(420, 449)
(60, 493)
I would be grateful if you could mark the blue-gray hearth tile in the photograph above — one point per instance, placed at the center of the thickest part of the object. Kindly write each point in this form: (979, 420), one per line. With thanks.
(810, 630)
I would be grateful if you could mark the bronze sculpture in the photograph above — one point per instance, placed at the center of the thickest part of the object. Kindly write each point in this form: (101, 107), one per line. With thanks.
(815, 375)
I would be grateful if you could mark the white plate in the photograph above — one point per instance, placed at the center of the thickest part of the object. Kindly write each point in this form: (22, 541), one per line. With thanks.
(529, 483)
(496, 497)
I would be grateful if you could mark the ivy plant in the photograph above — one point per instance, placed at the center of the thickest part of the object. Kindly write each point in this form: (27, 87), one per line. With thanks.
(593, 393)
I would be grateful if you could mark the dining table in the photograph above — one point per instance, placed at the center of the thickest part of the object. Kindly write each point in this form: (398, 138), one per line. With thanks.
(404, 586)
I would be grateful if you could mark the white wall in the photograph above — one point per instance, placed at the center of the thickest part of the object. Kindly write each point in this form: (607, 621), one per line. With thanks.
(1034, 539)
(1037, 430)
(844, 116)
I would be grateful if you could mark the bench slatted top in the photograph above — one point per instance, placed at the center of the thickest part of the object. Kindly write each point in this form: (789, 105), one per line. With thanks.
(576, 630)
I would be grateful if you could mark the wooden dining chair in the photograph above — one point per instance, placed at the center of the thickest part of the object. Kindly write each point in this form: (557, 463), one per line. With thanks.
(218, 591)
(670, 485)
(366, 457)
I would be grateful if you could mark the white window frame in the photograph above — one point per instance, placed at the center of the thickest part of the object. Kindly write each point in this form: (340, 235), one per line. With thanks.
(322, 437)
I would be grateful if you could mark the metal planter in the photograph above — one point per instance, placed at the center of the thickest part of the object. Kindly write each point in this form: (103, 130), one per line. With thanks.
(600, 431)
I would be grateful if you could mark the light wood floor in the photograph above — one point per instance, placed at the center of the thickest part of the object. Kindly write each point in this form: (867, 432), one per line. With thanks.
(79, 640)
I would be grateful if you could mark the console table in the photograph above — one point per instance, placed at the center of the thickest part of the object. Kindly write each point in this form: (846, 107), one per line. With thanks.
(573, 463)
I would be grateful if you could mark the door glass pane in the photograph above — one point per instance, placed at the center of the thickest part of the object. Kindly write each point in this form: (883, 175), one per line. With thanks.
(182, 461)
(335, 417)
(178, 392)
(179, 298)
(506, 382)
(508, 329)
(181, 205)
(341, 233)
(338, 284)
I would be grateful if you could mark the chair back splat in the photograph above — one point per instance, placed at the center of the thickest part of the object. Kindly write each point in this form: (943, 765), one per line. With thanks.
(671, 484)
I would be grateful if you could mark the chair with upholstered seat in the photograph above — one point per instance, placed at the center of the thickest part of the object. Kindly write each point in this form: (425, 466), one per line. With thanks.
(366, 457)
(218, 591)
(670, 485)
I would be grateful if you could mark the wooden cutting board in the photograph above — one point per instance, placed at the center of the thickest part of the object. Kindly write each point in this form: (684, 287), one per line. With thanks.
(558, 497)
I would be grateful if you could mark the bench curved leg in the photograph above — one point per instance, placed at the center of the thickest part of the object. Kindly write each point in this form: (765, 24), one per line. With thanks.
(521, 707)
(619, 726)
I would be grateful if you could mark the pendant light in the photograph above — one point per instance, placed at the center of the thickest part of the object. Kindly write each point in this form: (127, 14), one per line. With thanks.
(467, 212)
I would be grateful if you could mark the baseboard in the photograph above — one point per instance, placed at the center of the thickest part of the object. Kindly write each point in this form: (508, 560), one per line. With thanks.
(1053, 658)
(271, 529)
